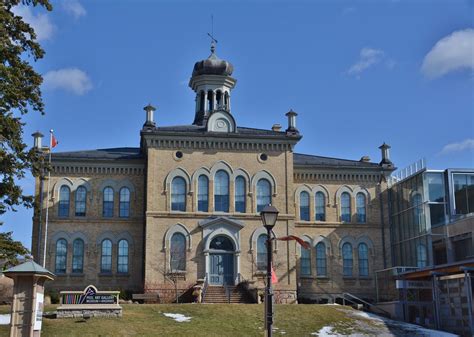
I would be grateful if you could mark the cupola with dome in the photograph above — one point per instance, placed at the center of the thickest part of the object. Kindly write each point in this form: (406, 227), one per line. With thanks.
(212, 82)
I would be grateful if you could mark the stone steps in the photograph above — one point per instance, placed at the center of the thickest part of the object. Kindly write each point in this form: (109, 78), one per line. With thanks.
(216, 294)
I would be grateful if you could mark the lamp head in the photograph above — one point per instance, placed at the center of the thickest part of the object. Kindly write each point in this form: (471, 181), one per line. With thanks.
(269, 216)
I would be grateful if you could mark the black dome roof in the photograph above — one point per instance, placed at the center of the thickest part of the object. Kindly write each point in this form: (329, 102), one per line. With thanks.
(213, 65)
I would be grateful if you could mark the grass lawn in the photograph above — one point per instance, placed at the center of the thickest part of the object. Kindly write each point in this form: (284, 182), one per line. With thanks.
(207, 320)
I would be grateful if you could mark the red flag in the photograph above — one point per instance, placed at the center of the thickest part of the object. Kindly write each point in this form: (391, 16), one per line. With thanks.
(274, 277)
(54, 142)
(297, 239)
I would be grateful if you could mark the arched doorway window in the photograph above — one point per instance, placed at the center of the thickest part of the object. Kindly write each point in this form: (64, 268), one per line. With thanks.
(221, 261)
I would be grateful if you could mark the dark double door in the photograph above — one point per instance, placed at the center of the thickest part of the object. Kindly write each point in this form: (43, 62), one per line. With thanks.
(221, 268)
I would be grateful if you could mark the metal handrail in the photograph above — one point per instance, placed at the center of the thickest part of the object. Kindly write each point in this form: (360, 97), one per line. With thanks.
(370, 305)
(204, 288)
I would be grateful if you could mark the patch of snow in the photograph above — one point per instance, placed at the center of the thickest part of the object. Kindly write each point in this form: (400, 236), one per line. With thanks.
(323, 332)
(409, 328)
(178, 317)
(5, 319)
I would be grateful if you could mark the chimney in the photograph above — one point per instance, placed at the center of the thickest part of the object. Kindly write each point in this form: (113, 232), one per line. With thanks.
(149, 115)
(291, 121)
(385, 155)
(276, 127)
(38, 137)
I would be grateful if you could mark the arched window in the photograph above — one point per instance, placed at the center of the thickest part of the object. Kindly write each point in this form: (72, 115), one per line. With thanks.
(77, 256)
(221, 191)
(304, 206)
(178, 252)
(80, 201)
(61, 256)
(305, 261)
(203, 194)
(64, 194)
(122, 257)
(219, 97)
(361, 208)
(320, 203)
(226, 101)
(124, 202)
(264, 196)
(421, 258)
(240, 192)
(108, 205)
(363, 260)
(178, 194)
(347, 260)
(321, 266)
(262, 252)
(345, 207)
(106, 256)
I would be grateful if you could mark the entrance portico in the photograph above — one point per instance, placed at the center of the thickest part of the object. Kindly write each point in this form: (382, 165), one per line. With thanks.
(222, 250)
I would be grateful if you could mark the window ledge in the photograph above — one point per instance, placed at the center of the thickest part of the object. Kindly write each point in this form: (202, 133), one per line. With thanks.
(260, 273)
(105, 274)
(349, 278)
(365, 278)
(322, 278)
(306, 276)
(123, 275)
(77, 274)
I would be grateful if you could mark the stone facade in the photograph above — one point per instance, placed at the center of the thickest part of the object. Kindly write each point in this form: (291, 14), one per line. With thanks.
(214, 143)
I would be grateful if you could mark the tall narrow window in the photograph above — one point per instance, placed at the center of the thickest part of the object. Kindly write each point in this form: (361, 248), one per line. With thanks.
(64, 194)
(361, 208)
(221, 192)
(264, 196)
(240, 192)
(321, 266)
(124, 211)
(347, 260)
(203, 194)
(305, 261)
(417, 204)
(345, 207)
(304, 206)
(77, 256)
(122, 257)
(61, 256)
(178, 252)
(262, 252)
(108, 205)
(106, 257)
(80, 201)
(421, 259)
(363, 260)
(178, 194)
(320, 202)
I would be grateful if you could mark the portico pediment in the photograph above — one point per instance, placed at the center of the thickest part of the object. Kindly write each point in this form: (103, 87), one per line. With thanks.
(221, 220)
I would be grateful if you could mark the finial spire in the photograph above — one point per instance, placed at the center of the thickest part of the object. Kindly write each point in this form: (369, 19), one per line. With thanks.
(211, 35)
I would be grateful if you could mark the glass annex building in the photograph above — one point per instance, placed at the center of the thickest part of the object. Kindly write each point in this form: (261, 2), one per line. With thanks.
(424, 208)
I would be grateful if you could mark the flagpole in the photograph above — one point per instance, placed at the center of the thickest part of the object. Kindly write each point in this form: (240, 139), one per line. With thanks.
(47, 198)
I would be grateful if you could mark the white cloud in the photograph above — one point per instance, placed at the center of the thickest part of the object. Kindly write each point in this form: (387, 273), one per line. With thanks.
(41, 23)
(368, 57)
(74, 8)
(467, 144)
(453, 52)
(70, 79)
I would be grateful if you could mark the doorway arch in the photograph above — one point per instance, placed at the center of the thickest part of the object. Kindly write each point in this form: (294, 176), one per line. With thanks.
(221, 261)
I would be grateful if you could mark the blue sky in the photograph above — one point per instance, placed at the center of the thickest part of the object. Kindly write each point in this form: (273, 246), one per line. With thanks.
(358, 73)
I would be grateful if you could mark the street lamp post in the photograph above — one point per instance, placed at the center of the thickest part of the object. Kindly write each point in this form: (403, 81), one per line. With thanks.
(269, 216)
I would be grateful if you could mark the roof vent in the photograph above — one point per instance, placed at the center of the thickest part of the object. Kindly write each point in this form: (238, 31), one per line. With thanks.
(276, 127)
(365, 159)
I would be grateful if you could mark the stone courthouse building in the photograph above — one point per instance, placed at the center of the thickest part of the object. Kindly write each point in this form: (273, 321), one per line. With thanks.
(186, 204)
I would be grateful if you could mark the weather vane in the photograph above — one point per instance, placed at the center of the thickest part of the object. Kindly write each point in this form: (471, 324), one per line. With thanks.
(211, 35)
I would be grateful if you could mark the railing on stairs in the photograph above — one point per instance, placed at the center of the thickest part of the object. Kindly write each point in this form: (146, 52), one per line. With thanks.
(370, 306)
(227, 292)
(204, 287)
